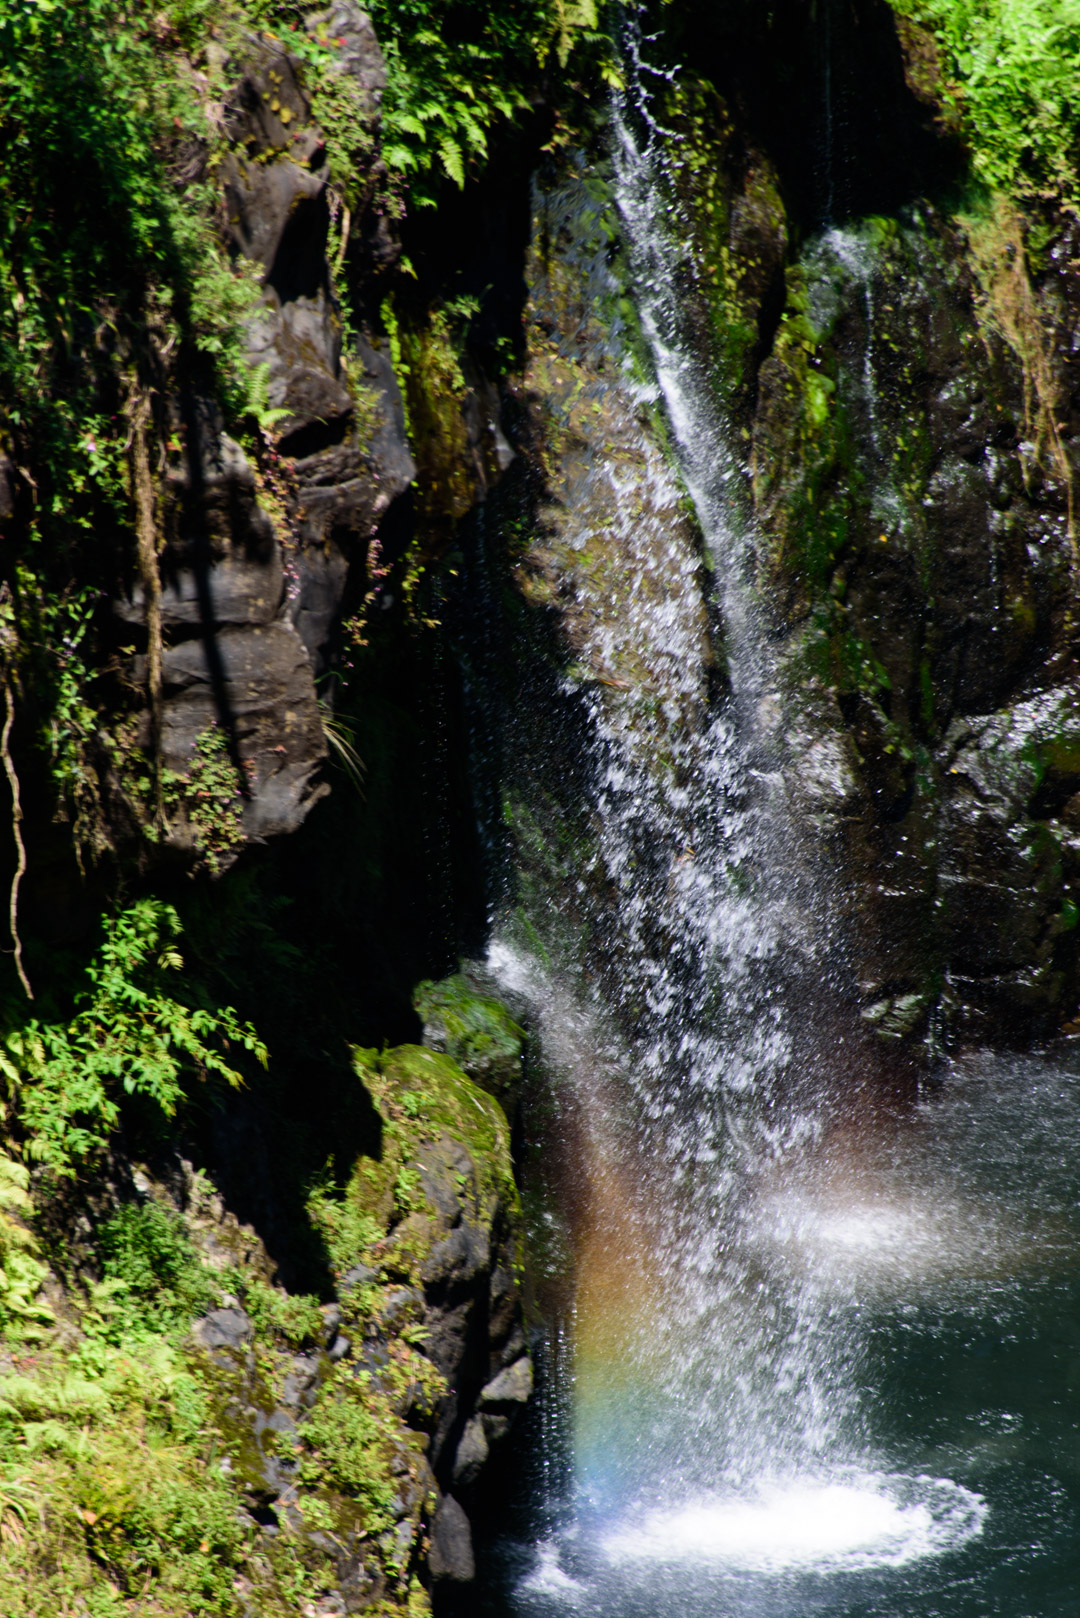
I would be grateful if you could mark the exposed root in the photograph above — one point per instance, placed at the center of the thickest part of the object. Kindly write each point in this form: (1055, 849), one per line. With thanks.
(16, 827)
(142, 491)
(343, 244)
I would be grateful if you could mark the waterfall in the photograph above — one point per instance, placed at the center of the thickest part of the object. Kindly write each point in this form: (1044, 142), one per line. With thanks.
(732, 1223)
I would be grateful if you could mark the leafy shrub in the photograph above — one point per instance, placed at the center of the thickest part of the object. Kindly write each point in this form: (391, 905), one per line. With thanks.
(146, 1247)
(104, 1490)
(21, 1274)
(1013, 70)
(349, 1434)
(129, 1036)
(98, 89)
(345, 1225)
(295, 1316)
(455, 69)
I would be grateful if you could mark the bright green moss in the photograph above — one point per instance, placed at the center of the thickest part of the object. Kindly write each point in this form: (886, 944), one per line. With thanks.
(423, 1094)
(475, 1030)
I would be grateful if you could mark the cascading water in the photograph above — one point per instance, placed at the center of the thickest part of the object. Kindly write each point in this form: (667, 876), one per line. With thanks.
(742, 1221)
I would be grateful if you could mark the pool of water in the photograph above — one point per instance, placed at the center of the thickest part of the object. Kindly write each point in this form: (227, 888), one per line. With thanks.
(921, 1276)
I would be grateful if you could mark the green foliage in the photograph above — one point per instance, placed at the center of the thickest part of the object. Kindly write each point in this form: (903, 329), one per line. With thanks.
(93, 319)
(99, 89)
(295, 1317)
(347, 1226)
(111, 1494)
(337, 102)
(21, 1273)
(129, 1035)
(455, 69)
(145, 1248)
(354, 1443)
(211, 795)
(346, 1439)
(1012, 73)
(105, 1440)
(107, 1435)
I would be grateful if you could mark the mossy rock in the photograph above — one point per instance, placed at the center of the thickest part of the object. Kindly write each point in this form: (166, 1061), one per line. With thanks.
(476, 1031)
(444, 1157)
(424, 1094)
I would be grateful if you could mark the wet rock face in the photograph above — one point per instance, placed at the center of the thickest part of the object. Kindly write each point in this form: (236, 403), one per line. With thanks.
(423, 1344)
(251, 601)
(616, 665)
(915, 553)
(906, 386)
(613, 546)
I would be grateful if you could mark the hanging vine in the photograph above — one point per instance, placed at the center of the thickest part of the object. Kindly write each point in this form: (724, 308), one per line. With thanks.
(142, 491)
(7, 659)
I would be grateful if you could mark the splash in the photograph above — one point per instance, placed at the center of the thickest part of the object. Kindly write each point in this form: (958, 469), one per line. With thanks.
(839, 1524)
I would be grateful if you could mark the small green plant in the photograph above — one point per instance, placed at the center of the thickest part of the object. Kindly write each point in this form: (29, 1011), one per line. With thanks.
(342, 743)
(349, 1230)
(212, 796)
(346, 1444)
(296, 1317)
(145, 1247)
(407, 1192)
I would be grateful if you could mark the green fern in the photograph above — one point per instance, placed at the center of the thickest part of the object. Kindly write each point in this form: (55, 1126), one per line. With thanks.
(258, 403)
(21, 1274)
(1012, 70)
(456, 69)
(129, 1036)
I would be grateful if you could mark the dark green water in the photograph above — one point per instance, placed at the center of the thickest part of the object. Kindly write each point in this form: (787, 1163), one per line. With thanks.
(950, 1268)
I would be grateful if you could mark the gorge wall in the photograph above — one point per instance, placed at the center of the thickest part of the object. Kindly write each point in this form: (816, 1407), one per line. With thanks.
(278, 588)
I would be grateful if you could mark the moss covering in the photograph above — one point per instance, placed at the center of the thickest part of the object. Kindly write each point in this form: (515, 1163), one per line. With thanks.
(732, 231)
(475, 1030)
(421, 1095)
(127, 1445)
(808, 456)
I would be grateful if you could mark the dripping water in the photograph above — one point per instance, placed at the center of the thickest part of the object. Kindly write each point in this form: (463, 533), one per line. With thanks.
(828, 158)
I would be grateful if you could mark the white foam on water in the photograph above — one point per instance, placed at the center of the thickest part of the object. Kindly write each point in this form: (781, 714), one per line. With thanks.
(547, 1578)
(849, 1524)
